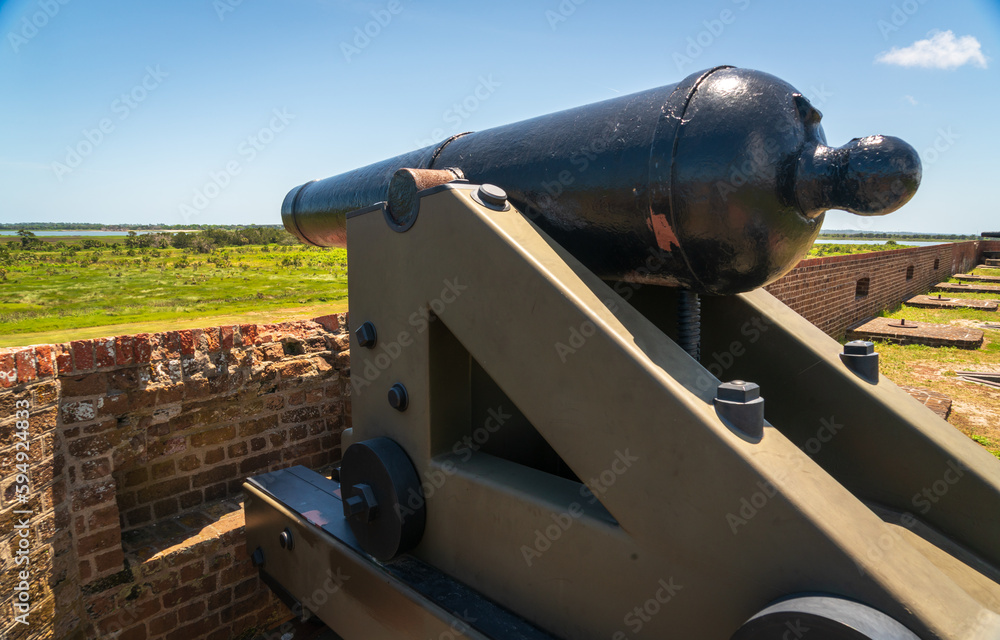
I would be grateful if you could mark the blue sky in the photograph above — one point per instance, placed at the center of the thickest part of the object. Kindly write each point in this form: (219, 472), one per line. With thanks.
(209, 111)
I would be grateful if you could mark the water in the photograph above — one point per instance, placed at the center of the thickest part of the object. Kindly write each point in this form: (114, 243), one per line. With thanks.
(46, 232)
(909, 243)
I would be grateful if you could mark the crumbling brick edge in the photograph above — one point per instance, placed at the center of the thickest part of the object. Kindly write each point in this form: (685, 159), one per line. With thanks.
(137, 449)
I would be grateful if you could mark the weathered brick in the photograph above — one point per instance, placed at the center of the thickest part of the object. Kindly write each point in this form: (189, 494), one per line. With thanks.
(8, 369)
(191, 611)
(212, 339)
(190, 591)
(189, 463)
(215, 455)
(107, 539)
(331, 323)
(167, 447)
(138, 516)
(103, 517)
(142, 348)
(90, 384)
(83, 355)
(90, 446)
(170, 342)
(192, 571)
(64, 358)
(78, 411)
(164, 489)
(164, 623)
(95, 469)
(187, 342)
(226, 337)
(220, 598)
(220, 473)
(261, 461)
(190, 499)
(213, 436)
(199, 628)
(216, 492)
(46, 393)
(165, 508)
(245, 588)
(124, 354)
(135, 477)
(113, 559)
(46, 360)
(93, 495)
(161, 470)
(24, 361)
(104, 352)
(302, 414)
(248, 333)
(237, 450)
(278, 438)
(259, 425)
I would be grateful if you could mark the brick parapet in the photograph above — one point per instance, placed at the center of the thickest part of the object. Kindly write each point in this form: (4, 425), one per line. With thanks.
(133, 432)
(823, 290)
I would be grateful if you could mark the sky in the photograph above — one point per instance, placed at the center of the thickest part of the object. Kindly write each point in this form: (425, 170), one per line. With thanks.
(209, 111)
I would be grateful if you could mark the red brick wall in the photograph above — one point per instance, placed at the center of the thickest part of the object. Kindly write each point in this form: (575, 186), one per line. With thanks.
(138, 448)
(823, 289)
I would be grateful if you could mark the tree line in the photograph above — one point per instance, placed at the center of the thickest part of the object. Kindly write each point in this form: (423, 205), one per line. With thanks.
(201, 241)
(95, 226)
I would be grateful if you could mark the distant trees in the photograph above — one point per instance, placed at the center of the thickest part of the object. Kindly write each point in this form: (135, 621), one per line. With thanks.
(28, 240)
(209, 239)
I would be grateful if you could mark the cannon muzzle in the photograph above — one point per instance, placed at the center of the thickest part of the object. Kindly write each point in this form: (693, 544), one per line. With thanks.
(718, 183)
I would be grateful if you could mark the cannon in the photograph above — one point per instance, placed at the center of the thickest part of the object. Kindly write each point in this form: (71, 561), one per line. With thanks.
(722, 178)
(560, 355)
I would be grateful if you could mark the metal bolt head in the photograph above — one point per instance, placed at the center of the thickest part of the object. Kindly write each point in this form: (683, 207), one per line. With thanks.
(398, 398)
(493, 195)
(366, 335)
(738, 391)
(285, 539)
(362, 505)
(859, 348)
(257, 557)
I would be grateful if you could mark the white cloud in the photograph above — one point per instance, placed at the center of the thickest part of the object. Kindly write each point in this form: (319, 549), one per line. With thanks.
(941, 51)
(910, 99)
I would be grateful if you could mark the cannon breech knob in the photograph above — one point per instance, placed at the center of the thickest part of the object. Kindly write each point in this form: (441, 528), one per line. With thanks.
(869, 176)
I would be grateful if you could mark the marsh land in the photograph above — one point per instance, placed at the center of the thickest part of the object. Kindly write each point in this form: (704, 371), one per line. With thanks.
(54, 289)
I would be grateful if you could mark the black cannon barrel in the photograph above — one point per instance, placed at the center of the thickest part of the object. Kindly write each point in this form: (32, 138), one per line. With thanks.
(717, 183)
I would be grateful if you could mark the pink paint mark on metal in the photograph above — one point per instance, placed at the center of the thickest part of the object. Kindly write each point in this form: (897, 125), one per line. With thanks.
(315, 517)
(666, 239)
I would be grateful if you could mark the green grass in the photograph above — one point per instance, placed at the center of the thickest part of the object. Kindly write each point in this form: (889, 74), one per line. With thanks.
(976, 408)
(822, 250)
(59, 290)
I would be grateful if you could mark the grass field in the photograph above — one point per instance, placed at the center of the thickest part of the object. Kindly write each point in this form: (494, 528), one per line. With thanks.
(832, 249)
(68, 292)
(975, 408)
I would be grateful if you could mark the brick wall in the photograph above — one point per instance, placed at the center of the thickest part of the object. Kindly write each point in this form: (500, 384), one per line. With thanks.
(137, 448)
(824, 290)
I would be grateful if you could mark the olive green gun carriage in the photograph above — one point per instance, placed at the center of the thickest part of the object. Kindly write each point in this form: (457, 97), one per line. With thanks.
(577, 414)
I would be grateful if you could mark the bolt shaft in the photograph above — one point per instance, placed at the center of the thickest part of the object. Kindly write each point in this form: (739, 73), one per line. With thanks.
(689, 323)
